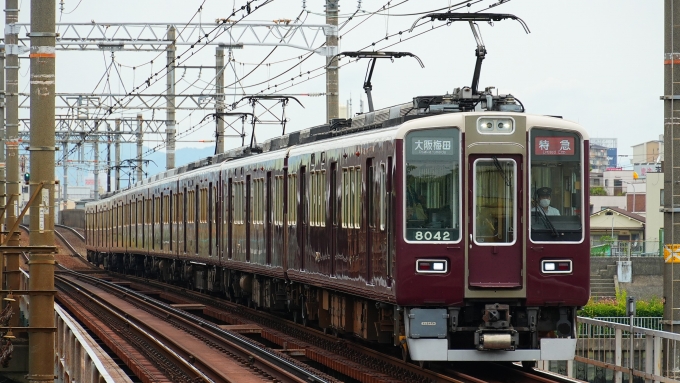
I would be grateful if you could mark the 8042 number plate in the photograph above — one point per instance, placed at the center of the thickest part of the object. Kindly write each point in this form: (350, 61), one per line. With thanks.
(431, 235)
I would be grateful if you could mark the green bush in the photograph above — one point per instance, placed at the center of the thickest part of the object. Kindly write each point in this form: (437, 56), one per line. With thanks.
(609, 307)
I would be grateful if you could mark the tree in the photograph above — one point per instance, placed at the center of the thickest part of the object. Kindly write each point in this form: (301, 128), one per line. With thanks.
(598, 190)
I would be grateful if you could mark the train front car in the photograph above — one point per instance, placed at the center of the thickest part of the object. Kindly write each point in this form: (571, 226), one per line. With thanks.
(492, 251)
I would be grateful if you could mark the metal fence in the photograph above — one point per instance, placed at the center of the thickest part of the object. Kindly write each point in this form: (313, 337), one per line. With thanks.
(588, 331)
(607, 353)
(625, 249)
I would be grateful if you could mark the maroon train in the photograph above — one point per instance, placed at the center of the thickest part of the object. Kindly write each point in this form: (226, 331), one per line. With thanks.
(419, 225)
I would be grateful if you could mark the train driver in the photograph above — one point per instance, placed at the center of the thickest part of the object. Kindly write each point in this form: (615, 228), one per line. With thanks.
(544, 195)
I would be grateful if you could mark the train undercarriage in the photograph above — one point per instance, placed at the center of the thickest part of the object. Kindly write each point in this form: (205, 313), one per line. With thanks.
(508, 329)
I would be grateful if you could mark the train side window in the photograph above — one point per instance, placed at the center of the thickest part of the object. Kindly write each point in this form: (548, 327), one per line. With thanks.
(357, 197)
(322, 197)
(292, 199)
(317, 198)
(278, 201)
(351, 197)
(312, 199)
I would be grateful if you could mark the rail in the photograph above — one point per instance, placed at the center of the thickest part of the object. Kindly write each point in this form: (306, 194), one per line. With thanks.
(78, 356)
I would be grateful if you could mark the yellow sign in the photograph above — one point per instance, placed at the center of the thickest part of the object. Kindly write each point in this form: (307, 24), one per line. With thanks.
(671, 253)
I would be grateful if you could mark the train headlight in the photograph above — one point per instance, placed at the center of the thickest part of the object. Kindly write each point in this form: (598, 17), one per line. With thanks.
(432, 266)
(561, 266)
(495, 125)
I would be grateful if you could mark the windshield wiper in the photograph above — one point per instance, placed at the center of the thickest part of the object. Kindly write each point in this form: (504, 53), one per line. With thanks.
(500, 170)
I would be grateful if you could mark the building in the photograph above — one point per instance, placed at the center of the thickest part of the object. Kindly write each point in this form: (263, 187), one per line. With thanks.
(615, 180)
(625, 231)
(598, 164)
(648, 152)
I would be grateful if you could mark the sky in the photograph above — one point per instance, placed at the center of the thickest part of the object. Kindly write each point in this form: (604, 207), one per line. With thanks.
(598, 63)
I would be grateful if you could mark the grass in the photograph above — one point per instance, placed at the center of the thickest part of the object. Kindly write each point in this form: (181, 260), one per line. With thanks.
(610, 307)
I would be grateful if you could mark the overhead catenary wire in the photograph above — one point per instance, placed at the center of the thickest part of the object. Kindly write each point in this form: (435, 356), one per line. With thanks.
(298, 64)
(155, 77)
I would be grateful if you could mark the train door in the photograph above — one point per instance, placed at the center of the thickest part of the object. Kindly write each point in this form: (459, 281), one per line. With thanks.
(302, 220)
(333, 204)
(211, 216)
(249, 215)
(388, 212)
(268, 218)
(195, 218)
(230, 218)
(495, 249)
(370, 212)
(184, 219)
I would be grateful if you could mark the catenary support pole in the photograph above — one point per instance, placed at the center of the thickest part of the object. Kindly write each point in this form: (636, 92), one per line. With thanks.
(3, 174)
(41, 262)
(64, 163)
(332, 71)
(170, 96)
(95, 146)
(219, 99)
(671, 203)
(12, 145)
(140, 136)
(117, 161)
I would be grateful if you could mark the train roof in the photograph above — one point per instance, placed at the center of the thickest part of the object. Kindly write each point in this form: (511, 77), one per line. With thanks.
(460, 102)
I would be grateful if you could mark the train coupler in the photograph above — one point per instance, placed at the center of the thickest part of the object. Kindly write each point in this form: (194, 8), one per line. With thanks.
(496, 340)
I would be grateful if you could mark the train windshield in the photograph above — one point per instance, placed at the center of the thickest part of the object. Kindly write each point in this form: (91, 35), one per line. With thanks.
(432, 185)
(556, 192)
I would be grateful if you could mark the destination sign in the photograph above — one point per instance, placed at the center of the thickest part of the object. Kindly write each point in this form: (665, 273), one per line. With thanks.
(554, 146)
(431, 146)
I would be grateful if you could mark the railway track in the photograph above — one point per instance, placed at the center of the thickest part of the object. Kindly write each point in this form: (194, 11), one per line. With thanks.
(362, 363)
(172, 343)
(345, 359)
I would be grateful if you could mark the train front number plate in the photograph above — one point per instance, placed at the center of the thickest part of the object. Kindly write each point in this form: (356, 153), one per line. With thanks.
(430, 235)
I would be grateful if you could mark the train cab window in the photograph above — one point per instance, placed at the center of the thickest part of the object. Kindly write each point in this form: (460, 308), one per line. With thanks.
(432, 187)
(495, 198)
(556, 194)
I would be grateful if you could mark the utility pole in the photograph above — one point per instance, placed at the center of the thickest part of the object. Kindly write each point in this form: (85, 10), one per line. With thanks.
(170, 91)
(64, 163)
(12, 146)
(41, 258)
(95, 144)
(671, 281)
(108, 158)
(140, 135)
(3, 175)
(332, 71)
(219, 98)
(117, 145)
